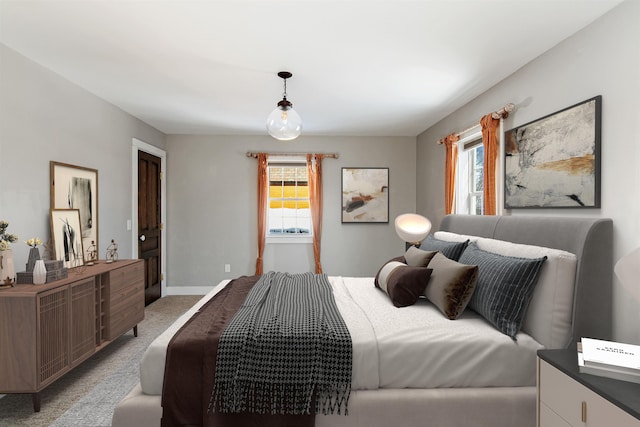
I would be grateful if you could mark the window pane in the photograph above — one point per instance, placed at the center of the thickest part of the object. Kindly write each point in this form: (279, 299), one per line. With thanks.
(289, 212)
(478, 184)
(275, 191)
(478, 169)
(479, 206)
(469, 181)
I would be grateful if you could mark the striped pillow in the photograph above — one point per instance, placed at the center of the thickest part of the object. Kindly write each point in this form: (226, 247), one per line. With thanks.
(504, 287)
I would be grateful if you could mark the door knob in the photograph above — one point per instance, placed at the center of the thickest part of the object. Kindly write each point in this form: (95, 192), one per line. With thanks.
(142, 237)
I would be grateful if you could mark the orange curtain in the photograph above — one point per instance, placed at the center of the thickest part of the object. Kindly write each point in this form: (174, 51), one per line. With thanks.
(314, 170)
(491, 147)
(450, 165)
(263, 196)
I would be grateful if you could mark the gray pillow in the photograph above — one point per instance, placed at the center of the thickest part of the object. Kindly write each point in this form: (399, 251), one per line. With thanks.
(451, 285)
(451, 250)
(417, 257)
(504, 287)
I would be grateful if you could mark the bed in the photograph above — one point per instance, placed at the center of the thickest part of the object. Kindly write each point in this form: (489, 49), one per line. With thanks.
(436, 373)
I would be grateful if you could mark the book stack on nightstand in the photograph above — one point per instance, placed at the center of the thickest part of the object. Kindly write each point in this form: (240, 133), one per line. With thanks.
(609, 359)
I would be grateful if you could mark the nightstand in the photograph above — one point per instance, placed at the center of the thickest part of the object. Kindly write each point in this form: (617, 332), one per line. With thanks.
(567, 397)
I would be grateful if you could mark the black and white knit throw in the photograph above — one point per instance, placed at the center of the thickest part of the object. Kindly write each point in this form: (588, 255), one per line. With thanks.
(287, 342)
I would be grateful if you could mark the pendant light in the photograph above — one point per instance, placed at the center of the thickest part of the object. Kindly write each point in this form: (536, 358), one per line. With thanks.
(284, 123)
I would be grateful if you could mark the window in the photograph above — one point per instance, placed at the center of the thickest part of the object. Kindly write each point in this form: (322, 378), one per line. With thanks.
(470, 185)
(289, 214)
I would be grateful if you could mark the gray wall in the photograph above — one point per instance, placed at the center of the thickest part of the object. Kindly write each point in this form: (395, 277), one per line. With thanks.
(211, 184)
(603, 59)
(44, 117)
(212, 211)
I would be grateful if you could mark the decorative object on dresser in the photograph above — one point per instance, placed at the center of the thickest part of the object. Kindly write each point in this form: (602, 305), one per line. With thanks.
(55, 270)
(39, 273)
(76, 187)
(37, 270)
(92, 253)
(554, 161)
(64, 322)
(7, 269)
(34, 252)
(112, 252)
(66, 233)
(365, 195)
(567, 397)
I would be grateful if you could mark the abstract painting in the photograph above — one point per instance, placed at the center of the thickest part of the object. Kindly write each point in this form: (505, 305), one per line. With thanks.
(365, 195)
(554, 161)
(67, 237)
(76, 187)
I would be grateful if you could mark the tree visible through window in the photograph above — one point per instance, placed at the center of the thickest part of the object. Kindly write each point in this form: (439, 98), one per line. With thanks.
(289, 213)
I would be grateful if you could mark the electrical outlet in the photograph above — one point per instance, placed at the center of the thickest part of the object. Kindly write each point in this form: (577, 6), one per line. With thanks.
(227, 268)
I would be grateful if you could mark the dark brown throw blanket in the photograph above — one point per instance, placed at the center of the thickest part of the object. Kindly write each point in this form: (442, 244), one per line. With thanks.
(188, 378)
(190, 368)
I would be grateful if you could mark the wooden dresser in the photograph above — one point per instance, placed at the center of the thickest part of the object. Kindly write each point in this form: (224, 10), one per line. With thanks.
(47, 330)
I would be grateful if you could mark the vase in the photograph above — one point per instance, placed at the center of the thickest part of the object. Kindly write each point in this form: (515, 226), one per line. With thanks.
(39, 273)
(34, 255)
(7, 271)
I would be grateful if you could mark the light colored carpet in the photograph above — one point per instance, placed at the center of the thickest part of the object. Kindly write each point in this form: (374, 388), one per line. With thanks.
(87, 395)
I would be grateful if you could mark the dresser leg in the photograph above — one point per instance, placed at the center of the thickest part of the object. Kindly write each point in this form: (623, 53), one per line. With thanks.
(35, 397)
(135, 331)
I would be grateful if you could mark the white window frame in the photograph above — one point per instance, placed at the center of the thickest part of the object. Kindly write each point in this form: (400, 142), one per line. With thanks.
(464, 175)
(290, 238)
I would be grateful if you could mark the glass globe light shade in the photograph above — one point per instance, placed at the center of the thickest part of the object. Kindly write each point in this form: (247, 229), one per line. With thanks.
(412, 228)
(284, 124)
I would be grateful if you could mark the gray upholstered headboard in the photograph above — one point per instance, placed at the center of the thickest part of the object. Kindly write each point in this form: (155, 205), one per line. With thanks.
(590, 239)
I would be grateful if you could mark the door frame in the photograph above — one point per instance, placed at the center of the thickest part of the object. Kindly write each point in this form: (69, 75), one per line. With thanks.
(138, 145)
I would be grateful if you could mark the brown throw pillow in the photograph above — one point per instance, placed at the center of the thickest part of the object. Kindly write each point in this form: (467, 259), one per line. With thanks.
(451, 285)
(414, 257)
(404, 284)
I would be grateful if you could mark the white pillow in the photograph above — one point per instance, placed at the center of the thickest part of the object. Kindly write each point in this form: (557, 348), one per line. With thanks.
(550, 312)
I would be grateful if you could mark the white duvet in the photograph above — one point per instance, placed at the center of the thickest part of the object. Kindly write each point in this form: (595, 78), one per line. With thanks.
(410, 347)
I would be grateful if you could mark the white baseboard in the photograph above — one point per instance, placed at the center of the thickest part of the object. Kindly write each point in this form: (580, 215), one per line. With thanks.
(188, 290)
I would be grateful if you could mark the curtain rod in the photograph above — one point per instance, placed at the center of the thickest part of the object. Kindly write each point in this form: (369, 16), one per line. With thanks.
(502, 113)
(329, 155)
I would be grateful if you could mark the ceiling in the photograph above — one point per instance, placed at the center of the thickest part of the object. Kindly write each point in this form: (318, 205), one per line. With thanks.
(360, 67)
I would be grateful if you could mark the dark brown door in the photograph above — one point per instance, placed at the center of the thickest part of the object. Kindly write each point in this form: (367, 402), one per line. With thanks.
(150, 223)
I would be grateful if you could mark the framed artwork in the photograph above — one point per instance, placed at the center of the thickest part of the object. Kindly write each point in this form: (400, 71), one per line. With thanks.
(365, 195)
(76, 187)
(554, 161)
(66, 233)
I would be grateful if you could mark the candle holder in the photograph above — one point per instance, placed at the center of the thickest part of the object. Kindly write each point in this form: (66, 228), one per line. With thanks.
(112, 252)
